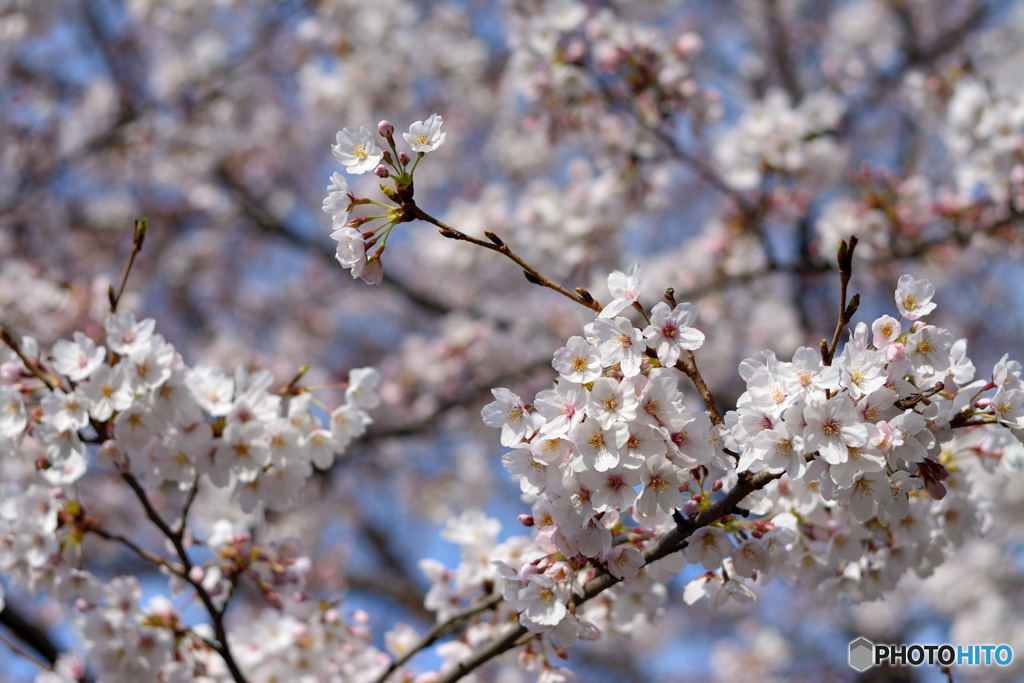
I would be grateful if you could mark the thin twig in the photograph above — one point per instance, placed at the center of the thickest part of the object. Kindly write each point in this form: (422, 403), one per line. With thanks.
(914, 399)
(216, 615)
(494, 243)
(846, 308)
(12, 343)
(137, 239)
(18, 650)
(134, 547)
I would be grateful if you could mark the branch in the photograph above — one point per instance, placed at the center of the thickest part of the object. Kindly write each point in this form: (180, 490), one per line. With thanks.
(12, 343)
(440, 630)
(779, 41)
(846, 309)
(137, 239)
(495, 243)
(914, 399)
(216, 615)
(670, 542)
(688, 364)
(30, 634)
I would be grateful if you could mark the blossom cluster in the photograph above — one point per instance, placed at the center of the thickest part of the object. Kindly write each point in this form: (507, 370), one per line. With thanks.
(983, 132)
(154, 416)
(777, 135)
(874, 454)
(358, 152)
(131, 404)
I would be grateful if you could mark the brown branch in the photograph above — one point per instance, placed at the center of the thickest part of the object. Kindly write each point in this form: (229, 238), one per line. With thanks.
(12, 343)
(1014, 219)
(439, 631)
(668, 543)
(137, 239)
(846, 308)
(92, 527)
(914, 399)
(30, 634)
(779, 41)
(688, 365)
(221, 645)
(494, 243)
(22, 652)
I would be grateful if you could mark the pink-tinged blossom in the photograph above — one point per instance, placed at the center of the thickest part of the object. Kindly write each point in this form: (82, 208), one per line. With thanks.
(611, 489)
(577, 361)
(599, 448)
(708, 546)
(357, 150)
(751, 558)
(125, 335)
(914, 297)
(107, 391)
(426, 136)
(620, 343)
(671, 332)
(507, 412)
(336, 203)
(832, 427)
(885, 331)
(624, 561)
(77, 359)
(661, 481)
(624, 289)
(562, 408)
(611, 401)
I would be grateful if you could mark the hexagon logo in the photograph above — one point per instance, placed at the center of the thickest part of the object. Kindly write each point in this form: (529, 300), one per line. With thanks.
(862, 654)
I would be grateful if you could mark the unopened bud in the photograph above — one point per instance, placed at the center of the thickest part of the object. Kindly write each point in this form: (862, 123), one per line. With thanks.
(717, 486)
(359, 220)
(403, 157)
(385, 129)
(530, 277)
(895, 352)
(381, 171)
(196, 574)
(691, 507)
(525, 520)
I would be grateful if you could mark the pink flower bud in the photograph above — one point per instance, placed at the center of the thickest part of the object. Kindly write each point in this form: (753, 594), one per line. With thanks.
(403, 157)
(373, 272)
(691, 507)
(717, 486)
(196, 574)
(385, 129)
(381, 171)
(525, 520)
(895, 352)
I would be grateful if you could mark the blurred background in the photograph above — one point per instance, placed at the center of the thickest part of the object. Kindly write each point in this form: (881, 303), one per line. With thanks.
(725, 145)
